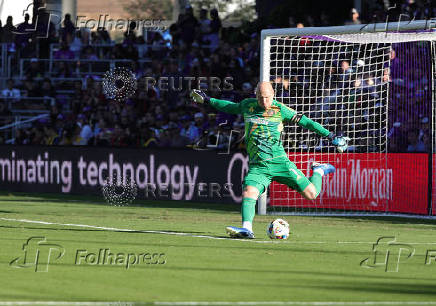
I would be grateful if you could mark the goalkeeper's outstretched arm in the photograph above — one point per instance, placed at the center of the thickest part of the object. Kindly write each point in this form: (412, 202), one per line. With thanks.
(313, 126)
(221, 105)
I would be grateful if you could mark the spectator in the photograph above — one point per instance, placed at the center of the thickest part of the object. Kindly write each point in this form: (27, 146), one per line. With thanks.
(215, 27)
(4, 110)
(8, 31)
(67, 32)
(89, 54)
(10, 91)
(21, 137)
(177, 140)
(76, 139)
(62, 70)
(64, 52)
(103, 35)
(199, 122)
(415, 145)
(85, 130)
(188, 26)
(118, 52)
(51, 137)
(354, 17)
(24, 30)
(47, 89)
(164, 138)
(247, 91)
(103, 133)
(31, 88)
(204, 26)
(38, 136)
(131, 52)
(189, 130)
(76, 44)
(148, 139)
(85, 34)
(130, 35)
(34, 70)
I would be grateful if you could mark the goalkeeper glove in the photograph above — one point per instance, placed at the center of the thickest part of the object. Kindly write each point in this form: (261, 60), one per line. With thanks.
(199, 96)
(340, 142)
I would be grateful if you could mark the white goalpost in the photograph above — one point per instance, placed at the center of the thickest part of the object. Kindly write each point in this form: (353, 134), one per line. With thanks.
(341, 77)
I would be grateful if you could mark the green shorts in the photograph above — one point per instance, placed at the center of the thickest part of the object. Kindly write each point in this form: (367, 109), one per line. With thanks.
(285, 172)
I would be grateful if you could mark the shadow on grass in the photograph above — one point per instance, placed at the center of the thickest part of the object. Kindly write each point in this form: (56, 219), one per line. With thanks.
(316, 274)
(98, 200)
(377, 282)
(391, 219)
(385, 288)
(81, 199)
(100, 230)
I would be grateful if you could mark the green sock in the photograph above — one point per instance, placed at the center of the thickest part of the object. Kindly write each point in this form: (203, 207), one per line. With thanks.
(316, 180)
(248, 209)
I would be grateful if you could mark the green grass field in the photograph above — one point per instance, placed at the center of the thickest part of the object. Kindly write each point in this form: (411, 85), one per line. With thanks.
(319, 263)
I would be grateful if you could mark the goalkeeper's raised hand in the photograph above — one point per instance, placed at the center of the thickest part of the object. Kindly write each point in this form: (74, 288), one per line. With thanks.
(199, 96)
(340, 142)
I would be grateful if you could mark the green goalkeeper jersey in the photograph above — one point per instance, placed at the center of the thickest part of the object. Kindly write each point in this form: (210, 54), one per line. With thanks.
(263, 127)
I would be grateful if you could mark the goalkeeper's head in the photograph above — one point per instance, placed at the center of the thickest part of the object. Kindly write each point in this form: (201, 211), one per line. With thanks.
(264, 94)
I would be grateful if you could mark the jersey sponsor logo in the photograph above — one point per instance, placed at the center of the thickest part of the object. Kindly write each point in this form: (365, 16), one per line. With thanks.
(256, 120)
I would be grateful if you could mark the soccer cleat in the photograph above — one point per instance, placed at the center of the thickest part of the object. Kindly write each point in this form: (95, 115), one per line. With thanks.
(239, 232)
(327, 168)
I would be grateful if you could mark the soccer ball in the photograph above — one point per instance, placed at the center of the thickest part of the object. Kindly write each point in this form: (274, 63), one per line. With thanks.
(278, 229)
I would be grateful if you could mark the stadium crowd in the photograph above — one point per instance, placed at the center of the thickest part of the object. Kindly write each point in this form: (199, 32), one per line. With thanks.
(155, 117)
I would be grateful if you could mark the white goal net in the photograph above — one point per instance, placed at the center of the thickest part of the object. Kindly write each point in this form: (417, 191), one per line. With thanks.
(342, 78)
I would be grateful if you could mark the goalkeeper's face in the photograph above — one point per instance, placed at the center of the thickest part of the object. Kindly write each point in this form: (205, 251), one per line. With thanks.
(265, 94)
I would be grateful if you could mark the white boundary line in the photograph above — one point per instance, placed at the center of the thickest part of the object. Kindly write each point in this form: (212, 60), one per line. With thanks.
(134, 231)
(114, 229)
(54, 303)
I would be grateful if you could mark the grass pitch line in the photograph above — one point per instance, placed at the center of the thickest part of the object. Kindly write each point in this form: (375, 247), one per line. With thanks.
(114, 229)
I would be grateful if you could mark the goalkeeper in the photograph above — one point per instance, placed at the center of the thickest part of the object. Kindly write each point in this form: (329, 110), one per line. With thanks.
(267, 158)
